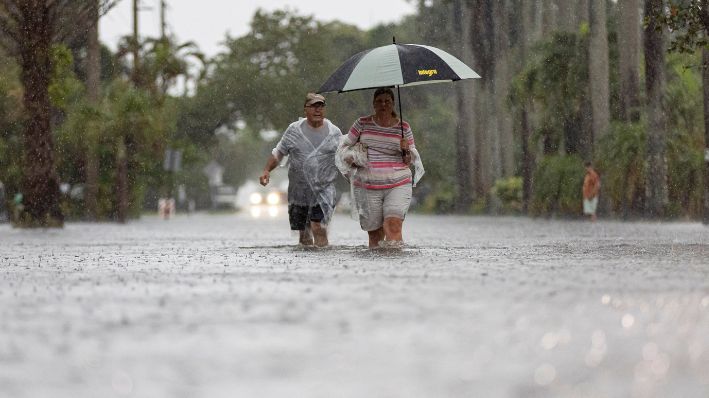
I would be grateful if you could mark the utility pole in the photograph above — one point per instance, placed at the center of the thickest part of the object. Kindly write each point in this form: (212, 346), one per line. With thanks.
(93, 92)
(122, 153)
(163, 25)
(136, 46)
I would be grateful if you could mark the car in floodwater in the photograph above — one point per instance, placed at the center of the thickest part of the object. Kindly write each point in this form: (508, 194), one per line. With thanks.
(267, 203)
(259, 201)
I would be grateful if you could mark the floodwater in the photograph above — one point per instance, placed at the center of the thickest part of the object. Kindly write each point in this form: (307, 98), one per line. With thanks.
(227, 306)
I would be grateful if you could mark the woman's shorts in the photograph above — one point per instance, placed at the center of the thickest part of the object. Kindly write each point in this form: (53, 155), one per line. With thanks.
(299, 216)
(589, 205)
(383, 203)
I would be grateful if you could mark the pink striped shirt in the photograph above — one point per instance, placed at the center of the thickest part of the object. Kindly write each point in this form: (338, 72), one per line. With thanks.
(386, 166)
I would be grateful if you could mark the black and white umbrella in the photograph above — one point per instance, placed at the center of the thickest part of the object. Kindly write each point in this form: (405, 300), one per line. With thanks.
(397, 65)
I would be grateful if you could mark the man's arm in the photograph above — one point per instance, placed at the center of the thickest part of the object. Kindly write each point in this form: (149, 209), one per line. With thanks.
(271, 164)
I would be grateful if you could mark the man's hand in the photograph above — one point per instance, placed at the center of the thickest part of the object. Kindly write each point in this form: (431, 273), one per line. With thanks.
(265, 178)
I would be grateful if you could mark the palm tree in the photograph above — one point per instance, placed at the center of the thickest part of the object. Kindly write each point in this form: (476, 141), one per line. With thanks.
(656, 180)
(29, 29)
(598, 74)
(629, 59)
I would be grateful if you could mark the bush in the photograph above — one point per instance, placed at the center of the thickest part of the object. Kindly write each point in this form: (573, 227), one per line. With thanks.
(621, 162)
(508, 191)
(557, 186)
(439, 201)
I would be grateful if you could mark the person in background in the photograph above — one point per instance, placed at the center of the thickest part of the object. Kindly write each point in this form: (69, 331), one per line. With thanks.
(591, 187)
(310, 143)
(383, 185)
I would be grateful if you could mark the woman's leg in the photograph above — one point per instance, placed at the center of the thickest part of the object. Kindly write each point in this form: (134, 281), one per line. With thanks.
(392, 228)
(395, 206)
(375, 237)
(369, 204)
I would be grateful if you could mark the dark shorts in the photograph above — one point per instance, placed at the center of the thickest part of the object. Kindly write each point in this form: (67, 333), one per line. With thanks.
(299, 216)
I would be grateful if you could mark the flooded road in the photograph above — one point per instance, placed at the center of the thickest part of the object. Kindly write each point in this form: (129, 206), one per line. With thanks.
(227, 306)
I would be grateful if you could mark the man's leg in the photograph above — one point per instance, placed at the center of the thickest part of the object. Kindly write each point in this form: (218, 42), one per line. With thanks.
(306, 236)
(319, 234)
(319, 229)
(297, 216)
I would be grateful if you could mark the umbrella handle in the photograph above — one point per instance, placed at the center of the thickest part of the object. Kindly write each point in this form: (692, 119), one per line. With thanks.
(404, 152)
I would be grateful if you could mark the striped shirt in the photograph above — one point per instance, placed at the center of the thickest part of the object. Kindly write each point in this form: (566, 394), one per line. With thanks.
(386, 165)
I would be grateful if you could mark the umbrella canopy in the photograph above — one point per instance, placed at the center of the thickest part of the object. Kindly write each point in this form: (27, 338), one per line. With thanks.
(397, 65)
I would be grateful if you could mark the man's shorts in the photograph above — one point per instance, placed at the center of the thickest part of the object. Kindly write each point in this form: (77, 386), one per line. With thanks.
(589, 205)
(383, 203)
(299, 216)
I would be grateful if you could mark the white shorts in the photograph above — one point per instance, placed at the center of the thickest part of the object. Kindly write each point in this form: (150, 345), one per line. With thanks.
(589, 205)
(383, 203)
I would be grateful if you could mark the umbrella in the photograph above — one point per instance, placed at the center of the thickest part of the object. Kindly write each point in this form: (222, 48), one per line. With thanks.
(397, 65)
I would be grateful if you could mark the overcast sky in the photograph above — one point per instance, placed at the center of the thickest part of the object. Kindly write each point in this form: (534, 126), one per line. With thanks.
(207, 21)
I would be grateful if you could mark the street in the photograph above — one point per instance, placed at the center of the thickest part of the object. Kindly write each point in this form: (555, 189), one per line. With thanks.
(226, 305)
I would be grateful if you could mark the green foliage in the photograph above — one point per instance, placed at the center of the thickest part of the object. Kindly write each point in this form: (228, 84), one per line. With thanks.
(266, 73)
(434, 134)
(621, 162)
(509, 192)
(557, 186)
(556, 80)
(685, 175)
(10, 126)
(64, 87)
(687, 20)
(684, 93)
(685, 139)
(621, 153)
(440, 201)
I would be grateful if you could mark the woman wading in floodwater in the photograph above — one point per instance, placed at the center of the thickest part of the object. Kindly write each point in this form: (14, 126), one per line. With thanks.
(382, 186)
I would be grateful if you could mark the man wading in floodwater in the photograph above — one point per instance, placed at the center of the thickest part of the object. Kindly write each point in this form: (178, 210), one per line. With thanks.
(310, 144)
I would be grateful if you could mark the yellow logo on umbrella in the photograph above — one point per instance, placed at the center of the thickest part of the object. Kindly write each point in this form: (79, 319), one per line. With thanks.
(427, 72)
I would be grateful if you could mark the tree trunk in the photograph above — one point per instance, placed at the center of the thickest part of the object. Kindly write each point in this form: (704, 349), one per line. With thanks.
(585, 135)
(40, 180)
(705, 82)
(565, 15)
(582, 11)
(486, 141)
(598, 75)
(629, 59)
(135, 73)
(502, 84)
(527, 161)
(464, 129)
(548, 17)
(93, 91)
(121, 181)
(656, 172)
(530, 33)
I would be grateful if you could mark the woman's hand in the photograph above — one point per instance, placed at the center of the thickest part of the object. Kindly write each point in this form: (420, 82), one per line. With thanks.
(349, 159)
(405, 152)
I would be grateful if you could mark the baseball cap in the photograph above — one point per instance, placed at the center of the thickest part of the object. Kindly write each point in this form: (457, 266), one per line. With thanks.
(312, 98)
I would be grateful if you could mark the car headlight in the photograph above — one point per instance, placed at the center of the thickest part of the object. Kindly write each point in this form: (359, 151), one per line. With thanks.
(255, 198)
(273, 198)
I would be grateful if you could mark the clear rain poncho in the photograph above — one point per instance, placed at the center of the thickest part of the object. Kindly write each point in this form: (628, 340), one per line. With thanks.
(360, 163)
(311, 171)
